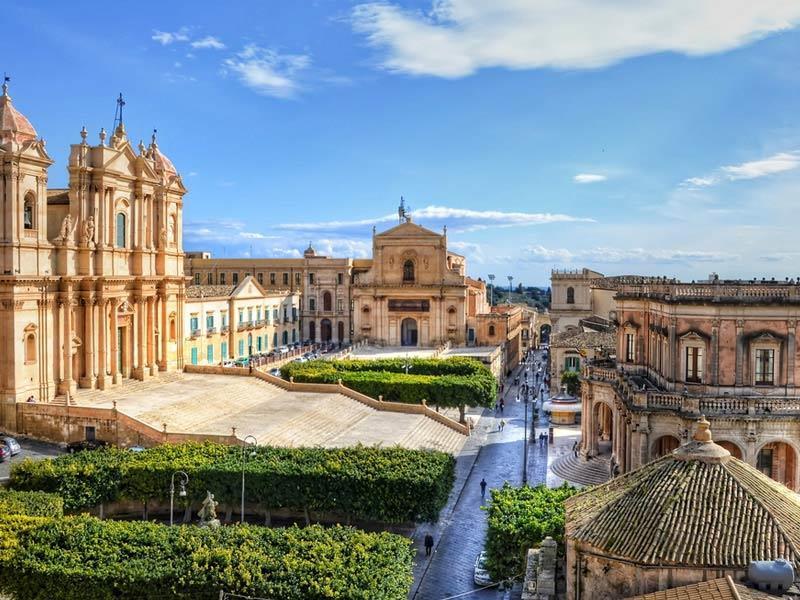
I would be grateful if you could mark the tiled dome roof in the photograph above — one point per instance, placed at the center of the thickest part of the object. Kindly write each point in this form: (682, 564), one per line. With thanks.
(164, 164)
(697, 507)
(14, 126)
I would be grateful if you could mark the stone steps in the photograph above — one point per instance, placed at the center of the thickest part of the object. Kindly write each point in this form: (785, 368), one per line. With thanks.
(432, 435)
(583, 472)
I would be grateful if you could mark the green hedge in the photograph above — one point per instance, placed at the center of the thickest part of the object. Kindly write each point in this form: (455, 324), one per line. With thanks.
(383, 484)
(75, 558)
(454, 382)
(519, 519)
(32, 504)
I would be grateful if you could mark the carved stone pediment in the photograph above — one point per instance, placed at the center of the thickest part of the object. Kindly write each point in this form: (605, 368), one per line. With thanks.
(694, 336)
(125, 307)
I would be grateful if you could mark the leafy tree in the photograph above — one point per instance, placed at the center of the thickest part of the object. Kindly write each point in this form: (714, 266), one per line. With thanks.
(571, 379)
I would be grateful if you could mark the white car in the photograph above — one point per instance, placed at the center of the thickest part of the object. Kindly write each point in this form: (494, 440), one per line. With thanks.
(283, 350)
(481, 576)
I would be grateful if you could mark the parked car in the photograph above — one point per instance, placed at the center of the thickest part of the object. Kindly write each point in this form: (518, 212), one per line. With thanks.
(481, 575)
(283, 350)
(136, 449)
(13, 445)
(5, 453)
(301, 359)
(81, 445)
(228, 363)
(275, 372)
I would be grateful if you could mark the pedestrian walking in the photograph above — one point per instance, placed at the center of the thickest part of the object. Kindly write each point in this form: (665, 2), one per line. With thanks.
(575, 449)
(428, 544)
(496, 407)
(483, 488)
(502, 425)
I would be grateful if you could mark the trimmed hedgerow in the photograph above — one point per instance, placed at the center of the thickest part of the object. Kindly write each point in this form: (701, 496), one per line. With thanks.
(391, 485)
(452, 382)
(74, 558)
(519, 519)
(32, 504)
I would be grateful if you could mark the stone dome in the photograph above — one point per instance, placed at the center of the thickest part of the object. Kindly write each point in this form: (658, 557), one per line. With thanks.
(162, 163)
(14, 126)
(697, 507)
(310, 252)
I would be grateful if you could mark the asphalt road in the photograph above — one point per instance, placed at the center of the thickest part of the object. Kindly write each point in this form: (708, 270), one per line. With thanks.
(30, 449)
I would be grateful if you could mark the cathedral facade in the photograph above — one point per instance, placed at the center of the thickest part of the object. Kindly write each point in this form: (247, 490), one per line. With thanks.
(91, 276)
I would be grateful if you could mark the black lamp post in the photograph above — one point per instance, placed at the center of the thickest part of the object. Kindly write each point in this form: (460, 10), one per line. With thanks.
(182, 482)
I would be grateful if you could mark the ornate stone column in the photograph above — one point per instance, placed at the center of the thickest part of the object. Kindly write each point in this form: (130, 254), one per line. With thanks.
(140, 338)
(673, 351)
(163, 330)
(116, 376)
(102, 327)
(89, 379)
(67, 385)
(151, 336)
(739, 352)
(791, 352)
(713, 363)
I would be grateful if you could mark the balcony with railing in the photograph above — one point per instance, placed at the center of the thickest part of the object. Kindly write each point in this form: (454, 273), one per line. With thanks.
(211, 331)
(196, 333)
(224, 328)
(638, 393)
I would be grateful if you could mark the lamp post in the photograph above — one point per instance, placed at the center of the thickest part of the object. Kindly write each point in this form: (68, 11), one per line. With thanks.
(407, 364)
(253, 441)
(182, 483)
(491, 297)
(510, 279)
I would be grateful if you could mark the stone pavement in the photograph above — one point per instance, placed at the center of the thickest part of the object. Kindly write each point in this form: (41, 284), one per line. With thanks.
(460, 533)
(213, 404)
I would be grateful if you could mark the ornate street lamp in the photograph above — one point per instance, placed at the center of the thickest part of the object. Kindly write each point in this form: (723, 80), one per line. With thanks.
(491, 298)
(182, 483)
(253, 442)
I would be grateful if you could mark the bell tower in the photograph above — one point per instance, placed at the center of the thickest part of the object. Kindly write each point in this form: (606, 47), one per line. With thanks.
(23, 193)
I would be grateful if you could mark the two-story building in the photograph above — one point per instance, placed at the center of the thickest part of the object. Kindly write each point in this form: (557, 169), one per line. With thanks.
(725, 349)
(226, 322)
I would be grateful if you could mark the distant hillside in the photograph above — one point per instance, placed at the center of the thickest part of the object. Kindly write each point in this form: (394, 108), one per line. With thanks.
(536, 297)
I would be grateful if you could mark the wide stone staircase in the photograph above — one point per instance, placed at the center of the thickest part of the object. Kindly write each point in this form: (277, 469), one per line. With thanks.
(580, 471)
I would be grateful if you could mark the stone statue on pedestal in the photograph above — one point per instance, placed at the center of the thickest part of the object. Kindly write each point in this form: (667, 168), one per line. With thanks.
(208, 512)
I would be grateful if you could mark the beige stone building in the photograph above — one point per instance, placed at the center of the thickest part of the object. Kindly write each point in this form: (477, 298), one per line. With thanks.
(92, 287)
(226, 322)
(579, 294)
(694, 515)
(726, 349)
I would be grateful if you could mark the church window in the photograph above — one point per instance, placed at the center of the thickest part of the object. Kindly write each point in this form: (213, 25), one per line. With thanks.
(30, 348)
(222, 278)
(121, 230)
(260, 278)
(197, 278)
(272, 278)
(491, 330)
(312, 304)
(765, 366)
(572, 363)
(326, 301)
(28, 210)
(311, 278)
(694, 364)
(234, 278)
(210, 279)
(630, 347)
(570, 295)
(340, 278)
(285, 279)
(172, 332)
(408, 271)
(297, 279)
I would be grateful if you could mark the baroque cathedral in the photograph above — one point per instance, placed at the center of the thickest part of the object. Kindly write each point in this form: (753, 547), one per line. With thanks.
(91, 276)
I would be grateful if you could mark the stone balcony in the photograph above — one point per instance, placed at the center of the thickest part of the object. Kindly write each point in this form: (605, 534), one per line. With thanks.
(640, 394)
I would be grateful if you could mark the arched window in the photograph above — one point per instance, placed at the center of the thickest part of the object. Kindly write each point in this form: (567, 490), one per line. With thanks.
(408, 271)
(326, 301)
(30, 348)
(570, 295)
(121, 230)
(312, 304)
(491, 330)
(29, 212)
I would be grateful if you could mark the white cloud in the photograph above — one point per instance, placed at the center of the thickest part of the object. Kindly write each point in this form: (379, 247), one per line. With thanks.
(777, 163)
(473, 251)
(616, 255)
(589, 178)
(455, 38)
(165, 38)
(268, 72)
(208, 42)
(456, 219)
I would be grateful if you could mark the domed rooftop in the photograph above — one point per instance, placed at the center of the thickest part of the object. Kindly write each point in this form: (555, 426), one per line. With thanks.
(696, 507)
(162, 163)
(310, 252)
(14, 126)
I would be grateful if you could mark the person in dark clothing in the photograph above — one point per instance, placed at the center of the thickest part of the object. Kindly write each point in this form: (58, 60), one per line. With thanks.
(483, 488)
(428, 544)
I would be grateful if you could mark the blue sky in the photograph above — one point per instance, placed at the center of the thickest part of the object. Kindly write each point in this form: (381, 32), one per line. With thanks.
(630, 137)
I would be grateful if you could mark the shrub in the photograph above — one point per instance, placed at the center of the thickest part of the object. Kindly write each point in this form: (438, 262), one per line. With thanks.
(384, 484)
(74, 558)
(520, 518)
(32, 504)
(454, 382)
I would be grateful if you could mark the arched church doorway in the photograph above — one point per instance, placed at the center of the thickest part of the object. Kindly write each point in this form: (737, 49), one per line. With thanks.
(544, 334)
(312, 331)
(326, 331)
(778, 460)
(664, 445)
(340, 331)
(604, 427)
(408, 332)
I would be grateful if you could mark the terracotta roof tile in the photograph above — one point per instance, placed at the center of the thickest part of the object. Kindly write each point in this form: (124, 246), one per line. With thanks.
(716, 589)
(14, 126)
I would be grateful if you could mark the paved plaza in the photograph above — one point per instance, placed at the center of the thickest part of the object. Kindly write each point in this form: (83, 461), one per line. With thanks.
(213, 404)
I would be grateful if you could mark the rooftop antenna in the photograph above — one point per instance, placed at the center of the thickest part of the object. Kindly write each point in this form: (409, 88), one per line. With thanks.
(118, 112)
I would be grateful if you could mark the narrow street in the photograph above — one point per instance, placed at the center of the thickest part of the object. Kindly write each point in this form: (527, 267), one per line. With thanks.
(449, 572)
